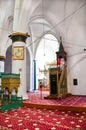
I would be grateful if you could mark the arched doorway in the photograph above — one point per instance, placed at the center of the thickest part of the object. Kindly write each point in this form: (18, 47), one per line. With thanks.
(8, 60)
(46, 58)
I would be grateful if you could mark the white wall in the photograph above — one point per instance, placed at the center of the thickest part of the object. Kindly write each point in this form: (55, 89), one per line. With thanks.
(77, 70)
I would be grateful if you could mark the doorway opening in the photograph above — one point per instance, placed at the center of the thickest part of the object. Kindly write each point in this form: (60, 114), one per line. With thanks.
(46, 58)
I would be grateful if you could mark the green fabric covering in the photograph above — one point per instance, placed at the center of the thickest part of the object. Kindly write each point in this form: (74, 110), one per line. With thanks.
(11, 103)
(1, 74)
(10, 75)
(12, 106)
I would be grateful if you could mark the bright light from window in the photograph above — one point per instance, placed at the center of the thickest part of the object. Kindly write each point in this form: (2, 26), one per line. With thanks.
(46, 52)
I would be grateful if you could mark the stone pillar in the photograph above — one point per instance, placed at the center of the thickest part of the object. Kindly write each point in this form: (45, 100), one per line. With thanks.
(19, 60)
(2, 60)
(34, 74)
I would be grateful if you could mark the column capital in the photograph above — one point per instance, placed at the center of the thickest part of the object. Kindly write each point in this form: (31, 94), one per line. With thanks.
(19, 36)
(2, 58)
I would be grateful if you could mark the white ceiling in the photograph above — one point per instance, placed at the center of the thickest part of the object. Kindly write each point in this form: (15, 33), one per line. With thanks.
(65, 18)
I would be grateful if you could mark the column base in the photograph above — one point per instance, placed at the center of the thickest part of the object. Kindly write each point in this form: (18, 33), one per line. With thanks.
(24, 95)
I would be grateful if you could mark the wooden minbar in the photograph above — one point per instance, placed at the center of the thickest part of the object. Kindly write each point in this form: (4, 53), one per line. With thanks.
(58, 75)
(58, 82)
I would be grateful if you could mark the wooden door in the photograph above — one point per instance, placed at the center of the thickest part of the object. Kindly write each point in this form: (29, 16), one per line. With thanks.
(53, 83)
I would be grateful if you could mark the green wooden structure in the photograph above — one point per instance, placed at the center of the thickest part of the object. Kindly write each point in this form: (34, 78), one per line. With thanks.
(9, 82)
(13, 102)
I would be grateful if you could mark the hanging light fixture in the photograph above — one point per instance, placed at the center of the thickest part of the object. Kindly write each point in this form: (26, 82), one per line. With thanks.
(45, 71)
(44, 41)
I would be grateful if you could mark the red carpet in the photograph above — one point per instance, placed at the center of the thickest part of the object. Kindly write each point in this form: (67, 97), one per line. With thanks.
(24, 118)
(41, 119)
(38, 98)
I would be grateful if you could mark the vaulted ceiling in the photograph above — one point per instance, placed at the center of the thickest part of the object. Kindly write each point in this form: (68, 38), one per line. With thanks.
(65, 18)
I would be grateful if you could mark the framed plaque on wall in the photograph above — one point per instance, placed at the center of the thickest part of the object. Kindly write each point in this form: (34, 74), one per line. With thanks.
(18, 53)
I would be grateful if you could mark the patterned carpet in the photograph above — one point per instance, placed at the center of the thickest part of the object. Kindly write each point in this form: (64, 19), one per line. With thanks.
(41, 119)
(24, 118)
(71, 100)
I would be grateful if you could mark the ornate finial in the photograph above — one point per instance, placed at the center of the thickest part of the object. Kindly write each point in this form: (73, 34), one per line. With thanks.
(61, 48)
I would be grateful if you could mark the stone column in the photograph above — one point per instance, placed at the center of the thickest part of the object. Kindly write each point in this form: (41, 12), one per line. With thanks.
(2, 60)
(34, 61)
(19, 60)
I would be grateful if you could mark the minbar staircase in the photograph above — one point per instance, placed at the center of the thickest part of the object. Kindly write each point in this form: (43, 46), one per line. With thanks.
(61, 84)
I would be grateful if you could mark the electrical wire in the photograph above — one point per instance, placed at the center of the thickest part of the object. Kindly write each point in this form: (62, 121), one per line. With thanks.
(73, 13)
(76, 54)
(64, 19)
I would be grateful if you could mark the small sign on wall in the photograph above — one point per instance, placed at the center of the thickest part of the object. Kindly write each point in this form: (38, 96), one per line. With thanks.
(18, 53)
(75, 82)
